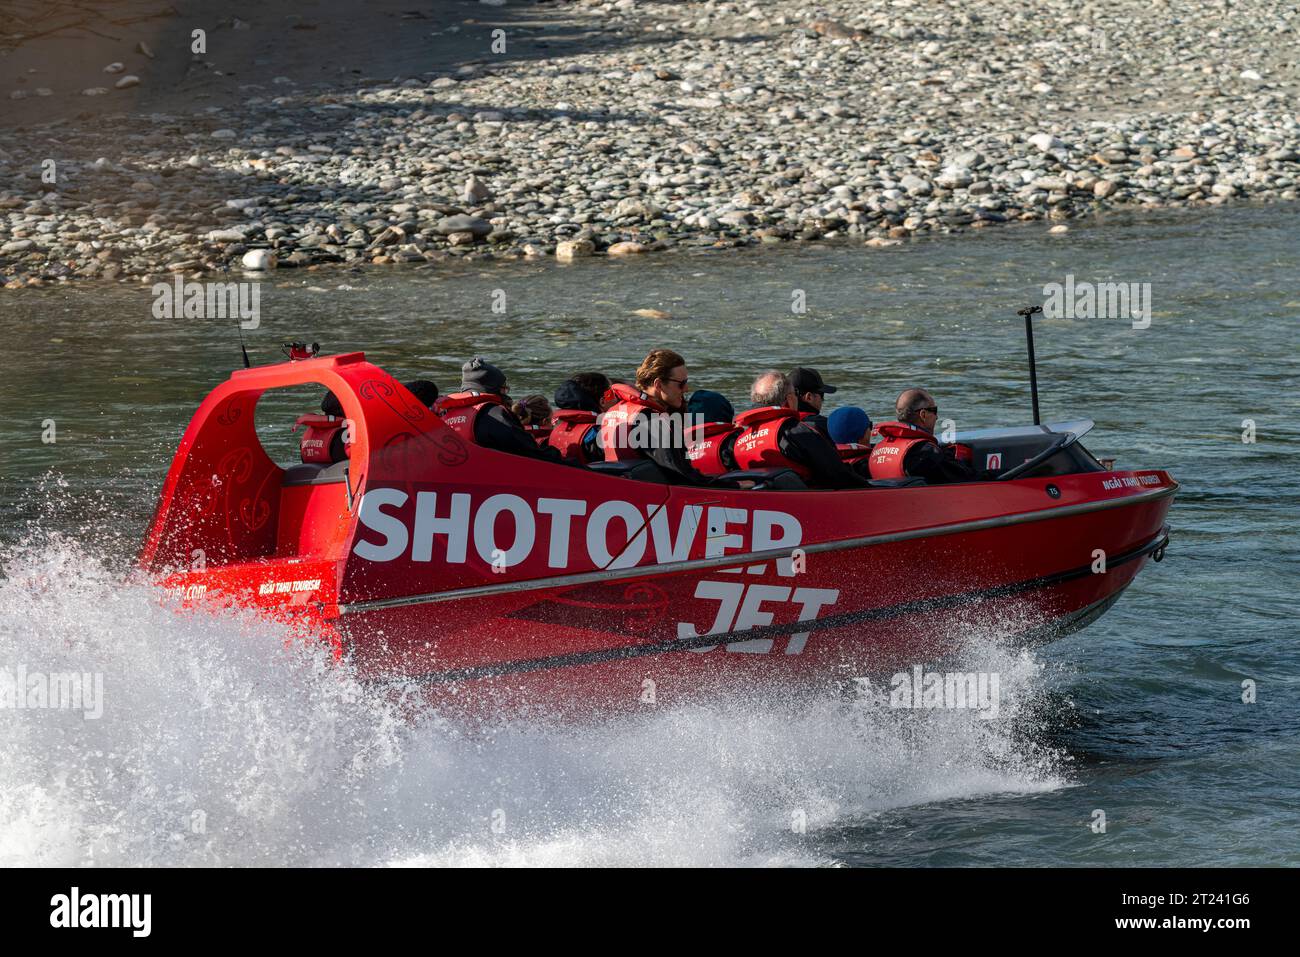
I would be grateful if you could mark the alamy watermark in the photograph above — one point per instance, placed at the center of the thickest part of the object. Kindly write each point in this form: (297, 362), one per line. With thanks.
(127, 911)
(647, 431)
(209, 300)
(919, 689)
(21, 689)
(1100, 300)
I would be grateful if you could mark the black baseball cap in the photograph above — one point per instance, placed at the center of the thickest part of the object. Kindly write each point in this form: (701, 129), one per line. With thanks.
(809, 380)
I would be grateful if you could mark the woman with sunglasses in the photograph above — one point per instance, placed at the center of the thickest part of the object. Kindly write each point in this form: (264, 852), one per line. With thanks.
(647, 421)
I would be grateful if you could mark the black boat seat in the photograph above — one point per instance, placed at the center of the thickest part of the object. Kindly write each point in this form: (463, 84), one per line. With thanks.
(770, 480)
(642, 470)
(898, 483)
(312, 474)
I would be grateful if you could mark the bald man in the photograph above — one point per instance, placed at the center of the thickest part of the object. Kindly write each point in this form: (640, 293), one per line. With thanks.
(776, 434)
(908, 448)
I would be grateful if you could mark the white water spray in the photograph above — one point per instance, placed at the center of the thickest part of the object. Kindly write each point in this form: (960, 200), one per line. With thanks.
(223, 743)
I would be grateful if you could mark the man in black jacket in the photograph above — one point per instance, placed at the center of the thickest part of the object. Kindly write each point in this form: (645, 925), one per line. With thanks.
(810, 393)
(801, 442)
(923, 456)
(495, 426)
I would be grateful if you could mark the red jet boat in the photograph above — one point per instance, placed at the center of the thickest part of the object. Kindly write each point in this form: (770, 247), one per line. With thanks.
(472, 572)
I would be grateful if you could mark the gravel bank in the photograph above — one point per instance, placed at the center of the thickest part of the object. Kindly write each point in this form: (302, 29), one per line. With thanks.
(686, 124)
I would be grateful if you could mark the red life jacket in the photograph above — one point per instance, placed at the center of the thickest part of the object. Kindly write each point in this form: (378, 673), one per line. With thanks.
(460, 410)
(708, 447)
(758, 445)
(540, 433)
(616, 422)
(853, 451)
(896, 440)
(318, 433)
(570, 428)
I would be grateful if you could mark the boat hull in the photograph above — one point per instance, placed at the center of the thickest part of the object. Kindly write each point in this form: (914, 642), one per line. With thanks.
(476, 576)
(754, 627)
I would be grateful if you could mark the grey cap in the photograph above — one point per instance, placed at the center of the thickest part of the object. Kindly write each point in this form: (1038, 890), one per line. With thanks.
(479, 375)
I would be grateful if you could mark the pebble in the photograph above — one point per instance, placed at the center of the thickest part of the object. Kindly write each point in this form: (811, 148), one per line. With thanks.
(127, 81)
(572, 249)
(475, 191)
(259, 259)
(627, 248)
(1046, 142)
(461, 223)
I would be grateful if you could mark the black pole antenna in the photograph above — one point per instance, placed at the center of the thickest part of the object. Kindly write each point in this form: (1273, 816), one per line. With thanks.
(1029, 312)
(240, 327)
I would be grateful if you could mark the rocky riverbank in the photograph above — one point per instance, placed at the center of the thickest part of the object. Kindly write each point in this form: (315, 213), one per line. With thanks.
(673, 124)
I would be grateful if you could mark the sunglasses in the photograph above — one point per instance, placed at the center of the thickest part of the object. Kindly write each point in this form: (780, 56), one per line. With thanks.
(678, 382)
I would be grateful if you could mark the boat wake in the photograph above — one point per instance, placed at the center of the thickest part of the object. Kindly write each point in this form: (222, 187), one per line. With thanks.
(221, 741)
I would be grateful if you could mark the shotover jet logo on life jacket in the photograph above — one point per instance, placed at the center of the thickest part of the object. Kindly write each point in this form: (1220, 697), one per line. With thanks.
(460, 410)
(896, 440)
(709, 447)
(758, 446)
(616, 423)
(569, 433)
(319, 432)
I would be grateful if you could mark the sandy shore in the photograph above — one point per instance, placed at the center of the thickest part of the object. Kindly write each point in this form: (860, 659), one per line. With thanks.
(309, 133)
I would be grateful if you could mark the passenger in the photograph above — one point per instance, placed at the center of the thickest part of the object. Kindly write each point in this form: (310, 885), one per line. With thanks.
(710, 406)
(534, 414)
(710, 436)
(594, 385)
(850, 429)
(908, 448)
(645, 422)
(574, 429)
(478, 413)
(775, 435)
(811, 392)
(423, 389)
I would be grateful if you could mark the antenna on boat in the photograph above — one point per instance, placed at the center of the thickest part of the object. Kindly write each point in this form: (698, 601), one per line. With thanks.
(242, 348)
(1029, 312)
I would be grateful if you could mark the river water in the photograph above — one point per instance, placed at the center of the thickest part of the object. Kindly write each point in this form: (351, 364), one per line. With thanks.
(217, 746)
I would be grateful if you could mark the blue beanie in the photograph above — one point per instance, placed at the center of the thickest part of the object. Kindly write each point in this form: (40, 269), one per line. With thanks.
(848, 424)
(712, 405)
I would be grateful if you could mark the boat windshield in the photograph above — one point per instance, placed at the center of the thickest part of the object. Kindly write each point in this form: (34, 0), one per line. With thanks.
(1075, 428)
